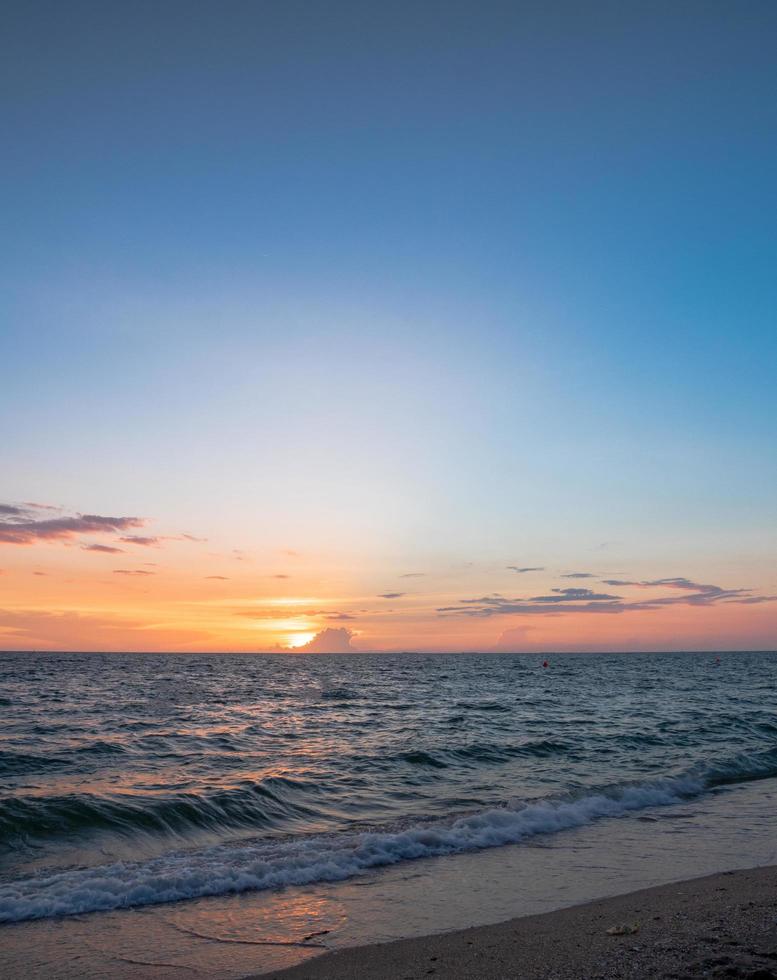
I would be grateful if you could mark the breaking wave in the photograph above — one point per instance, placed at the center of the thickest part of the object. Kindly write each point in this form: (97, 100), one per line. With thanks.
(269, 864)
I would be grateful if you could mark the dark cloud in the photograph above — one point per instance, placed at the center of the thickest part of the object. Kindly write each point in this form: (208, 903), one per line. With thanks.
(330, 640)
(527, 568)
(391, 595)
(680, 583)
(698, 593)
(131, 571)
(584, 600)
(104, 549)
(578, 575)
(144, 541)
(570, 595)
(339, 616)
(18, 527)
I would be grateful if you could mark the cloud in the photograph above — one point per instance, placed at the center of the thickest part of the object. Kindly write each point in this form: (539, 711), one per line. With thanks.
(131, 571)
(39, 573)
(413, 575)
(578, 575)
(191, 537)
(577, 600)
(567, 595)
(527, 568)
(701, 594)
(18, 526)
(512, 639)
(22, 525)
(330, 640)
(280, 576)
(274, 612)
(391, 595)
(104, 549)
(221, 578)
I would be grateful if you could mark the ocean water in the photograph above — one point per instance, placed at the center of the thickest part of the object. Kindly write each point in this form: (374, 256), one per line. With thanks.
(136, 780)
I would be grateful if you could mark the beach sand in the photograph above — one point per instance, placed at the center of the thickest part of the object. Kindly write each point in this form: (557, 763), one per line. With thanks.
(723, 925)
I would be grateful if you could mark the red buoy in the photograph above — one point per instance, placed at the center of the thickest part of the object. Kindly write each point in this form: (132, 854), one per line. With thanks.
(545, 663)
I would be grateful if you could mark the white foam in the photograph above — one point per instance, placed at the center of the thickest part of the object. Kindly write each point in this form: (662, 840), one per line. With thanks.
(255, 867)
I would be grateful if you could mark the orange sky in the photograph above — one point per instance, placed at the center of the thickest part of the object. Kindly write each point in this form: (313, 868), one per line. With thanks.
(142, 588)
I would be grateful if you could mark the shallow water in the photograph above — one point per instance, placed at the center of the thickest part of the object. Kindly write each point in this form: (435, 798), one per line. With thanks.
(130, 780)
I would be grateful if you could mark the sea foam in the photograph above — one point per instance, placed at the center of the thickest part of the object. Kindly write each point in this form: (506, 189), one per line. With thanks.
(271, 864)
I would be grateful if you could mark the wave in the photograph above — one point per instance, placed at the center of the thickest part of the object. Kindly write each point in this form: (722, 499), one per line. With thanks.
(262, 805)
(24, 764)
(485, 752)
(271, 864)
(256, 805)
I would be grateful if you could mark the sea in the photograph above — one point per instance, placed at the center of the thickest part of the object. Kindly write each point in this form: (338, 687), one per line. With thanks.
(140, 780)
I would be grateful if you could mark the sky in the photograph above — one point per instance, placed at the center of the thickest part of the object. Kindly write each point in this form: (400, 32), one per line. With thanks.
(363, 326)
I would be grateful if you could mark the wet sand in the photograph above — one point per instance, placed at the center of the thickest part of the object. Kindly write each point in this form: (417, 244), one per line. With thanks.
(723, 925)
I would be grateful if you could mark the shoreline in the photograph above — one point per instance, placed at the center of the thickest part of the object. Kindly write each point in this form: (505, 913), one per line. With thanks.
(720, 925)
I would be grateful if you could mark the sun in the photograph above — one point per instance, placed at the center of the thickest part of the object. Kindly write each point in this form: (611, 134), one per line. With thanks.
(299, 639)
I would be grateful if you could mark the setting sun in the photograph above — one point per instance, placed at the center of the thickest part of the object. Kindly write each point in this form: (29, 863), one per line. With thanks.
(296, 640)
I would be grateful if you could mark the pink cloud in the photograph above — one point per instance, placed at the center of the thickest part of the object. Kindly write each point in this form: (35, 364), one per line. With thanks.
(331, 640)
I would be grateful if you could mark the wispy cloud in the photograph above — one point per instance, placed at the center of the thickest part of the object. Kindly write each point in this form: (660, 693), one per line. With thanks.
(569, 595)
(526, 568)
(103, 549)
(132, 571)
(576, 600)
(413, 575)
(220, 578)
(20, 526)
(578, 575)
(391, 595)
(25, 524)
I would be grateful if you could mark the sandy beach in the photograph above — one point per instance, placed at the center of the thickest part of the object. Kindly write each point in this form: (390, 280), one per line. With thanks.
(723, 925)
